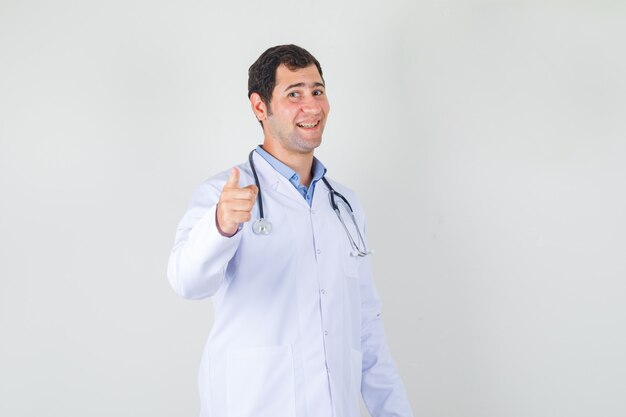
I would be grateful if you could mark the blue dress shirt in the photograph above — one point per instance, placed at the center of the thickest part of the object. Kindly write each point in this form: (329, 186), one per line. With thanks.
(318, 171)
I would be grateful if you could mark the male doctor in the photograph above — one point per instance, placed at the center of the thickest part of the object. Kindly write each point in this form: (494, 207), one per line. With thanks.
(297, 330)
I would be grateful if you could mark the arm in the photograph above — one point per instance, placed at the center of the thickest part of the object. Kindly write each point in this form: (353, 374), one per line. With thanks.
(202, 251)
(381, 387)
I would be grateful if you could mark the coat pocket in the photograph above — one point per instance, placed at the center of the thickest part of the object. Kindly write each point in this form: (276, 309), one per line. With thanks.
(260, 382)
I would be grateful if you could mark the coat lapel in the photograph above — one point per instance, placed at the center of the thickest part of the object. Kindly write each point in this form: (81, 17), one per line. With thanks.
(271, 179)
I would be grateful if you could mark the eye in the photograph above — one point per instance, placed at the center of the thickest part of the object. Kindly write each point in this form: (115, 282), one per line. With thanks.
(318, 93)
(293, 94)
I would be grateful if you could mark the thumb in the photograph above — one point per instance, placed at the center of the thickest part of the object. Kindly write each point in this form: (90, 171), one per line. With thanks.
(233, 180)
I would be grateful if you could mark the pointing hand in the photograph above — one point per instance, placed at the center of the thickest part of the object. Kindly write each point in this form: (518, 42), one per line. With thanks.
(235, 204)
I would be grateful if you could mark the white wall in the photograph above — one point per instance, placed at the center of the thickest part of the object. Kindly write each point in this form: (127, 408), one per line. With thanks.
(485, 138)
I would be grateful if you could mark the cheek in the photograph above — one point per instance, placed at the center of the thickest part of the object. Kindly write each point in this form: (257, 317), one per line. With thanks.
(288, 114)
(326, 106)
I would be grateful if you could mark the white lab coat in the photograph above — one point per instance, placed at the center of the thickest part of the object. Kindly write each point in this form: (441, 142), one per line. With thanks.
(297, 329)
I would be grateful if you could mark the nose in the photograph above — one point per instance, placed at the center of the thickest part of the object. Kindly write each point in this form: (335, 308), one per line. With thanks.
(311, 105)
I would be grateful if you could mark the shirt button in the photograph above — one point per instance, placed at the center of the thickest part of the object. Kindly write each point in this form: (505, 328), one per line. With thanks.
(323, 291)
(312, 211)
(319, 251)
(325, 332)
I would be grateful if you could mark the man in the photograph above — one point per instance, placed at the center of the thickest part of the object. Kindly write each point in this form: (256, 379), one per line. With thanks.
(297, 328)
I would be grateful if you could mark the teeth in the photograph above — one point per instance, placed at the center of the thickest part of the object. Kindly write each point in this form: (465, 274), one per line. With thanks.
(308, 125)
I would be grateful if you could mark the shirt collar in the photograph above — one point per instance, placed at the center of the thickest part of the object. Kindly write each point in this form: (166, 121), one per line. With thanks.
(317, 171)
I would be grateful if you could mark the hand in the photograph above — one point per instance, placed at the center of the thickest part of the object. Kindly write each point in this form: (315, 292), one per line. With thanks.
(235, 204)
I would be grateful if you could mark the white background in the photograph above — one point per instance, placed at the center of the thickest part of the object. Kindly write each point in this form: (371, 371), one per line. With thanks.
(486, 139)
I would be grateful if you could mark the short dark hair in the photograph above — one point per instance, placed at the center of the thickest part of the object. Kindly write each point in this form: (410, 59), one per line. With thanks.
(262, 74)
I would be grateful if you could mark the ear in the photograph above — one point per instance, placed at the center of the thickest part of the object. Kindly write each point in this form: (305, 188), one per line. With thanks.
(258, 107)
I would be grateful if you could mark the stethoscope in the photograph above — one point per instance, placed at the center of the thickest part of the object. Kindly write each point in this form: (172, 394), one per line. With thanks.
(262, 226)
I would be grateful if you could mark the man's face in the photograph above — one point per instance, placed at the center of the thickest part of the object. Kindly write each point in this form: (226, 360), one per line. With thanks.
(298, 109)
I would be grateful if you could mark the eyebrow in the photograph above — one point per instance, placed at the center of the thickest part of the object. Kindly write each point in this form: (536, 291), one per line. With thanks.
(315, 84)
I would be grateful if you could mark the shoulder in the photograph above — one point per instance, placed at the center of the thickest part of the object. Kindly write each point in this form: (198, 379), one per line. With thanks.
(349, 194)
(340, 188)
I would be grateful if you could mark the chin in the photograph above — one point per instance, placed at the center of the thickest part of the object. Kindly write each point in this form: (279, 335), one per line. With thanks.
(314, 144)
(305, 145)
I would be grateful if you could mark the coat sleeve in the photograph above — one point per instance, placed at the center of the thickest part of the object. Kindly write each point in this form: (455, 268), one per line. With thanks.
(381, 387)
(197, 264)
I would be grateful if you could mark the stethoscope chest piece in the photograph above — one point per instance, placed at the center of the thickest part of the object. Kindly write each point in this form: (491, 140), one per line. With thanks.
(262, 227)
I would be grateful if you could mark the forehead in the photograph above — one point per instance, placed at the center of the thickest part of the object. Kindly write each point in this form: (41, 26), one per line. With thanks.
(307, 75)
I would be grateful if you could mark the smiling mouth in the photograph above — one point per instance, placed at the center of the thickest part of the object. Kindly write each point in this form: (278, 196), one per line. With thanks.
(308, 125)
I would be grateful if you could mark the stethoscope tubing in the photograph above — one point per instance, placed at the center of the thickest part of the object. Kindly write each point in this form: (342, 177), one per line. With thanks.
(263, 226)
(258, 184)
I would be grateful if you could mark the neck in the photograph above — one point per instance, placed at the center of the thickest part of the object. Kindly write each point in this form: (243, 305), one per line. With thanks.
(302, 163)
